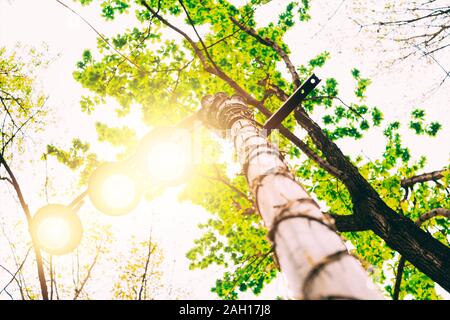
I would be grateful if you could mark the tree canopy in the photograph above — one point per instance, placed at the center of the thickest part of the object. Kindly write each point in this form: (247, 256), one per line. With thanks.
(179, 51)
(166, 76)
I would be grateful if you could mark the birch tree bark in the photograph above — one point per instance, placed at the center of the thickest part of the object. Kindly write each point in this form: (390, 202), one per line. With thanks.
(310, 253)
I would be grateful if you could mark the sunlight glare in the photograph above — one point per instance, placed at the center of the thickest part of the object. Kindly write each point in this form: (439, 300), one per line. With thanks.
(119, 191)
(167, 161)
(54, 233)
(56, 229)
(114, 189)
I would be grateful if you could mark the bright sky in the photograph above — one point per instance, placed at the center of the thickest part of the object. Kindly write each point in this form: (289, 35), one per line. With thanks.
(396, 90)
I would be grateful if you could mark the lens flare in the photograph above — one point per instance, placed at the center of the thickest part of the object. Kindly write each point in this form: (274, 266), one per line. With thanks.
(56, 229)
(167, 162)
(114, 189)
(165, 156)
(54, 233)
(119, 191)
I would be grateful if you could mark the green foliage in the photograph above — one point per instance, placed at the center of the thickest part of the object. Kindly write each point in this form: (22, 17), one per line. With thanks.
(286, 19)
(418, 125)
(72, 158)
(377, 116)
(234, 237)
(139, 272)
(23, 114)
(362, 83)
(77, 157)
(22, 105)
(109, 8)
(122, 136)
(319, 61)
(303, 11)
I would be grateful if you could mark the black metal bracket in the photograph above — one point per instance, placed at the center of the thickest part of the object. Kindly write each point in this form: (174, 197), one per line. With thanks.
(291, 103)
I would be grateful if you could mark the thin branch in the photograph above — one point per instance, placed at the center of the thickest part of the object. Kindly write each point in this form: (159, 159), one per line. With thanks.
(13, 278)
(2, 100)
(260, 257)
(191, 22)
(179, 72)
(139, 45)
(222, 179)
(447, 73)
(340, 100)
(7, 270)
(328, 20)
(7, 179)
(441, 212)
(52, 277)
(430, 176)
(272, 44)
(398, 278)
(432, 23)
(19, 128)
(102, 37)
(16, 100)
(196, 49)
(406, 21)
(150, 251)
(21, 283)
(279, 93)
(88, 275)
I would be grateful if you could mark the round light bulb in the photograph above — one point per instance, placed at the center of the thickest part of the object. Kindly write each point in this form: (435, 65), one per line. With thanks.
(54, 233)
(114, 189)
(119, 190)
(165, 156)
(56, 229)
(167, 162)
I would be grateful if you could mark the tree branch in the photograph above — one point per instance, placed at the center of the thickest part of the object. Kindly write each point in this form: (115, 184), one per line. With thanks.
(102, 37)
(220, 178)
(13, 278)
(442, 212)
(7, 179)
(430, 176)
(401, 264)
(26, 210)
(88, 275)
(150, 251)
(427, 253)
(347, 223)
(279, 93)
(249, 99)
(272, 44)
(261, 257)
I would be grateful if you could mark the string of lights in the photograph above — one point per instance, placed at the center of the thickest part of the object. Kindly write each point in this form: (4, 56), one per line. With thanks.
(163, 158)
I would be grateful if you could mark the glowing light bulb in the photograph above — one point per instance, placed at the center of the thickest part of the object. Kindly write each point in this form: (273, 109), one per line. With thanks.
(119, 191)
(56, 229)
(167, 162)
(54, 233)
(114, 189)
(165, 156)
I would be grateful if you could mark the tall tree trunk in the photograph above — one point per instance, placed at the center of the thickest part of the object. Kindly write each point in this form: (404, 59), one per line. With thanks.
(428, 254)
(26, 210)
(310, 253)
